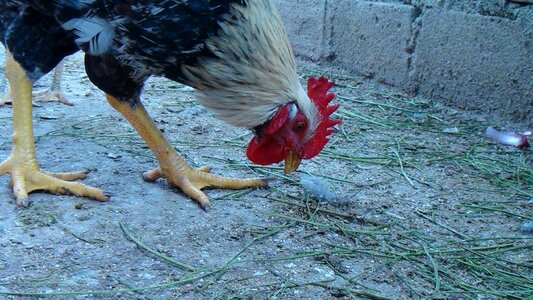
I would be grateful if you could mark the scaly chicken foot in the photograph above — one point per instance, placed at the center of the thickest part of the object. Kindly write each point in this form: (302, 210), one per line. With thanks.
(70, 176)
(191, 181)
(22, 164)
(155, 174)
(54, 94)
(26, 178)
(46, 95)
(171, 166)
(51, 94)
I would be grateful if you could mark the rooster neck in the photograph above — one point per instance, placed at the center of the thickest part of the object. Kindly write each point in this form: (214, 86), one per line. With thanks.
(252, 71)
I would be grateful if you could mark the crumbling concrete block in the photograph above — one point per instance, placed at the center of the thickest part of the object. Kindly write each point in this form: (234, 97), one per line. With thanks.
(304, 22)
(476, 62)
(372, 39)
(470, 54)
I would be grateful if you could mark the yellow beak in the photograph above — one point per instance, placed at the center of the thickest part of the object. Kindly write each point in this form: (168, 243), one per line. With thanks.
(292, 162)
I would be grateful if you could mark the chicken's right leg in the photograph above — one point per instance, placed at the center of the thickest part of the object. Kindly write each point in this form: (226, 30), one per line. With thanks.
(22, 164)
(173, 167)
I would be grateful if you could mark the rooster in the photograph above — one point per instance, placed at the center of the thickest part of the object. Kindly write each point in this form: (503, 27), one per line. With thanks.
(235, 53)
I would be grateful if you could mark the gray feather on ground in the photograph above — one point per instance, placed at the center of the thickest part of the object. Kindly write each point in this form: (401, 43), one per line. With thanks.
(318, 187)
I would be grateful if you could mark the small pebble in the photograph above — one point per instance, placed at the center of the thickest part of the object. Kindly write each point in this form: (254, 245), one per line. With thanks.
(527, 227)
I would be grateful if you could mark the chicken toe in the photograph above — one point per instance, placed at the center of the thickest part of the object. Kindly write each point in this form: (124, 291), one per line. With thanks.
(191, 181)
(50, 95)
(26, 178)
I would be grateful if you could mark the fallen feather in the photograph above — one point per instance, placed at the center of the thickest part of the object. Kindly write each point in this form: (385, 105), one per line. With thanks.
(318, 187)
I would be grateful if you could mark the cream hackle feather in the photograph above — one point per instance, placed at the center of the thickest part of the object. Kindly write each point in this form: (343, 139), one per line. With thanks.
(254, 72)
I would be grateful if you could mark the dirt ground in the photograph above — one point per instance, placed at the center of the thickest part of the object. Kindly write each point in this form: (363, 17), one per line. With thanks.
(424, 206)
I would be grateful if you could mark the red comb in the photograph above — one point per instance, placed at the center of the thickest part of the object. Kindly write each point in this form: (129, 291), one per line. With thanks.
(317, 90)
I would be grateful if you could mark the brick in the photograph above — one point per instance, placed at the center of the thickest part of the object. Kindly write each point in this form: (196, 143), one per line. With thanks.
(476, 62)
(304, 22)
(372, 38)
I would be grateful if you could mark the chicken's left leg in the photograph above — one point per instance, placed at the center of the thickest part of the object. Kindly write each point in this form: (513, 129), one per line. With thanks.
(54, 93)
(22, 164)
(51, 94)
(171, 166)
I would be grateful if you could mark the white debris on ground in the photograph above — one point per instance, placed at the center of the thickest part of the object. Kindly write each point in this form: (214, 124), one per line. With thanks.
(508, 138)
(318, 187)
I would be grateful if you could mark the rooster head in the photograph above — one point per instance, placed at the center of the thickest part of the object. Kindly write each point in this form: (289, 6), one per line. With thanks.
(291, 136)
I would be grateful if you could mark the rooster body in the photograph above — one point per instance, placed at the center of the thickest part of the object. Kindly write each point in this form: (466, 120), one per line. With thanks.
(234, 53)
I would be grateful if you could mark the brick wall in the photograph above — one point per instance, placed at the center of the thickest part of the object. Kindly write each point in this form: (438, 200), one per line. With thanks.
(476, 55)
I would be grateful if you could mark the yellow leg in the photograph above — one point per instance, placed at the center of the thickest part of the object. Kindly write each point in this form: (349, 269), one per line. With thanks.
(171, 166)
(22, 164)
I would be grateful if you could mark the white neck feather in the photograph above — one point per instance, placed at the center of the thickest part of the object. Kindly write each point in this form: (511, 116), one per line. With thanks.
(254, 72)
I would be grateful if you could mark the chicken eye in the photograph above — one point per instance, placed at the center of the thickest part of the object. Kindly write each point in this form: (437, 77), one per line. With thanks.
(300, 126)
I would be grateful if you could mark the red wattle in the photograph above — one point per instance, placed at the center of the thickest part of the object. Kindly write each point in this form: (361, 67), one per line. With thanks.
(265, 152)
